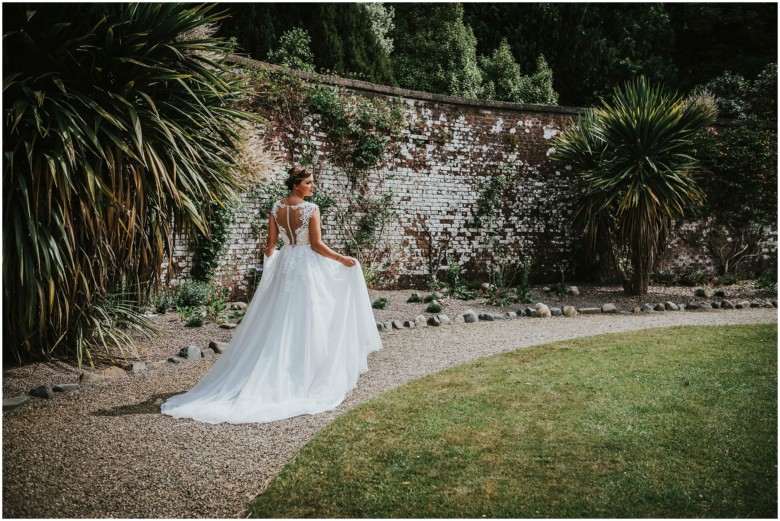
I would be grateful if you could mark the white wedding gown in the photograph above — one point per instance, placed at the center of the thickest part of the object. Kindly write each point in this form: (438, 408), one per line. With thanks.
(302, 344)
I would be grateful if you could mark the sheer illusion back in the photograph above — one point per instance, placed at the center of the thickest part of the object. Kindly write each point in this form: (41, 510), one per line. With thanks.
(293, 221)
(302, 344)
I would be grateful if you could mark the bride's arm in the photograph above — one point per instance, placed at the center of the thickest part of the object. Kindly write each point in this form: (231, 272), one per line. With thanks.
(273, 237)
(315, 238)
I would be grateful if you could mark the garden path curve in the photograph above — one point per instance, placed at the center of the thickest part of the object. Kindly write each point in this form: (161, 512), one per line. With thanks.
(106, 451)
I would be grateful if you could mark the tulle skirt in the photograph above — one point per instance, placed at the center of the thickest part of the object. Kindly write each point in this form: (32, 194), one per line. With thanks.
(300, 348)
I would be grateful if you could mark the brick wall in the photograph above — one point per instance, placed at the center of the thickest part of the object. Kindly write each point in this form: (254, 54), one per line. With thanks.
(436, 170)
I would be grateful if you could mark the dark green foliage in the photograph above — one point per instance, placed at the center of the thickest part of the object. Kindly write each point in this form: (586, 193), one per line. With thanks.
(742, 99)
(163, 300)
(192, 293)
(711, 38)
(502, 79)
(433, 307)
(294, 51)
(207, 249)
(414, 298)
(701, 293)
(589, 47)
(380, 303)
(105, 150)
(435, 51)
(341, 37)
(429, 298)
(194, 320)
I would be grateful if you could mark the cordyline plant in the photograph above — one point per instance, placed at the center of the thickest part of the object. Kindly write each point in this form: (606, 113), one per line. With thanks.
(119, 120)
(637, 173)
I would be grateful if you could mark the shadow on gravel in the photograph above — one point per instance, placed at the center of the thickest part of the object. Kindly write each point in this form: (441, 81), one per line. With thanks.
(149, 406)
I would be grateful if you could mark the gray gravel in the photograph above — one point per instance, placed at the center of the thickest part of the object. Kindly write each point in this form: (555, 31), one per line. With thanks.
(106, 451)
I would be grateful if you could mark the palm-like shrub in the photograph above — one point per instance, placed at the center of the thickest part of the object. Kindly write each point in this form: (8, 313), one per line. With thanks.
(119, 120)
(637, 173)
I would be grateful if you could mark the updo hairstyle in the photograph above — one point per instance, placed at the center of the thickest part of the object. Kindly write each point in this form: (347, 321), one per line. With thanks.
(295, 175)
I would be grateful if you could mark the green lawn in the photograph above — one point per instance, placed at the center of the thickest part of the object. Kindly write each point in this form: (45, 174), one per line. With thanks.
(678, 422)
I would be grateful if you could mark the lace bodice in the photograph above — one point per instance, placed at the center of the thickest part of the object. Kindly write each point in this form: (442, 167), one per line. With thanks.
(293, 221)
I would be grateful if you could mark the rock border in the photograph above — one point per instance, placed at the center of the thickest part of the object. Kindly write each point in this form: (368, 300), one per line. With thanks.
(540, 310)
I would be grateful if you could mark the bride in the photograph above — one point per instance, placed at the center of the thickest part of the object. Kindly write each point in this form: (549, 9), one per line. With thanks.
(306, 334)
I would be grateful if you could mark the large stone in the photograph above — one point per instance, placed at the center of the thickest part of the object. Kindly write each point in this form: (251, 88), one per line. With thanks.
(218, 347)
(671, 306)
(529, 312)
(176, 359)
(487, 317)
(434, 321)
(444, 320)
(228, 325)
(590, 311)
(458, 319)
(65, 388)
(421, 321)
(659, 307)
(88, 378)
(112, 372)
(755, 305)
(409, 324)
(647, 308)
(190, 353)
(497, 316)
(470, 316)
(742, 305)
(726, 305)
(43, 391)
(609, 308)
(692, 306)
(238, 306)
(774, 303)
(542, 311)
(13, 403)
(510, 315)
(139, 367)
(569, 311)
(705, 305)
(380, 327)
(208, 353)
(388, 325)
(556, 312)
(572, 290)
(715, 305)
(397, 324)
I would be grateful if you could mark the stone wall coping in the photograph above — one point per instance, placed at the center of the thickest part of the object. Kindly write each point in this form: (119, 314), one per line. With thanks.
(377, 88)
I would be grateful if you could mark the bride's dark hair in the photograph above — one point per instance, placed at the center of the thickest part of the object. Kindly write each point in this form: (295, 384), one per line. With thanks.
(295, 175)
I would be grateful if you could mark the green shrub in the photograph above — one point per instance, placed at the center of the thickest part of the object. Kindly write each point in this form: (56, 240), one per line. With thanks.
(429, 298)
(163, 300)
(192, 293)
(727, 279)
(765, 282)
(700, 293)
(194, 321)
(433, 307)
(414, 298)
(719, 294)
(380, 303)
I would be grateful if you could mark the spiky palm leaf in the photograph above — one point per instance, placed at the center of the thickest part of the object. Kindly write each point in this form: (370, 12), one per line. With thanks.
(634, 153)
(115, 128)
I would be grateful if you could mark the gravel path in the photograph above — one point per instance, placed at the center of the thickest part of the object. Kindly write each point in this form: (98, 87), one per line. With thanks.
(106, 451)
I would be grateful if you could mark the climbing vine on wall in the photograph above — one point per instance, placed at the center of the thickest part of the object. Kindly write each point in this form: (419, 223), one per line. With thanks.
(208, 248)
(359, 130)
